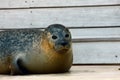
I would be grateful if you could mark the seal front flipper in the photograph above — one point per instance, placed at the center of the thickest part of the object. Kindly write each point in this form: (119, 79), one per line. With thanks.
(17, 66)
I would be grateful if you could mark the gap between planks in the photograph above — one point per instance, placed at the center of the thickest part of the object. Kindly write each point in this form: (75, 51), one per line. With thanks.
(50, 7)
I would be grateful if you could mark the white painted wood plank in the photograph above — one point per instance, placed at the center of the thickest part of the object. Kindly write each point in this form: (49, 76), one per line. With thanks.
(95, 33)
(96, 53)
(54, 3)
(70, 17)
(49, 3)
(14, 3)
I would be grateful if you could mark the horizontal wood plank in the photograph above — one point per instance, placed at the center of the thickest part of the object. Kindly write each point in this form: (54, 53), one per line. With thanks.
(54, 3)
(96, 53)
(70, 17)
(95, 34)
(57, 3)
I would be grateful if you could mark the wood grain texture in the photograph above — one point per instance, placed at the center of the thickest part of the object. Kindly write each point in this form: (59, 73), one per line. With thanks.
(70, 17)
(54, 3)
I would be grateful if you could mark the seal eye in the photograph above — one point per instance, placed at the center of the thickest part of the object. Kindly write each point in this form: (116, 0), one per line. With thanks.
(67, 35)
(54, 37)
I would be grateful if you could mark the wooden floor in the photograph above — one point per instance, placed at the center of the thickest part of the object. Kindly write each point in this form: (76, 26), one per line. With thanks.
(76, 73)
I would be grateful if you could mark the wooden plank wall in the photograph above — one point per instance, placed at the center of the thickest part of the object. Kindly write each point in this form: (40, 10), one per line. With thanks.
(94, 24)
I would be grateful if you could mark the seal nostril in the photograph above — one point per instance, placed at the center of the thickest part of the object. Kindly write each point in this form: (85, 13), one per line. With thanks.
(64, 43)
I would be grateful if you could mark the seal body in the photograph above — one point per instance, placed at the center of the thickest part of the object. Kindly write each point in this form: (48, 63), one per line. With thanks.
(28, 51)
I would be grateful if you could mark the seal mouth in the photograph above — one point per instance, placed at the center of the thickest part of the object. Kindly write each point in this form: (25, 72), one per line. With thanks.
(62, 49)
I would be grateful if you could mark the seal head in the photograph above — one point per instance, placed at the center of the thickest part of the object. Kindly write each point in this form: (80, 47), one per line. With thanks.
(60, 36)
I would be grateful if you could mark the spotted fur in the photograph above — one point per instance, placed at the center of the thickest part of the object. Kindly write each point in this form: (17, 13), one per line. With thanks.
(27, 51)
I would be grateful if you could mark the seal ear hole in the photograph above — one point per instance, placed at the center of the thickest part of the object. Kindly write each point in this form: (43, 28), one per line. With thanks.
(54, 37)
